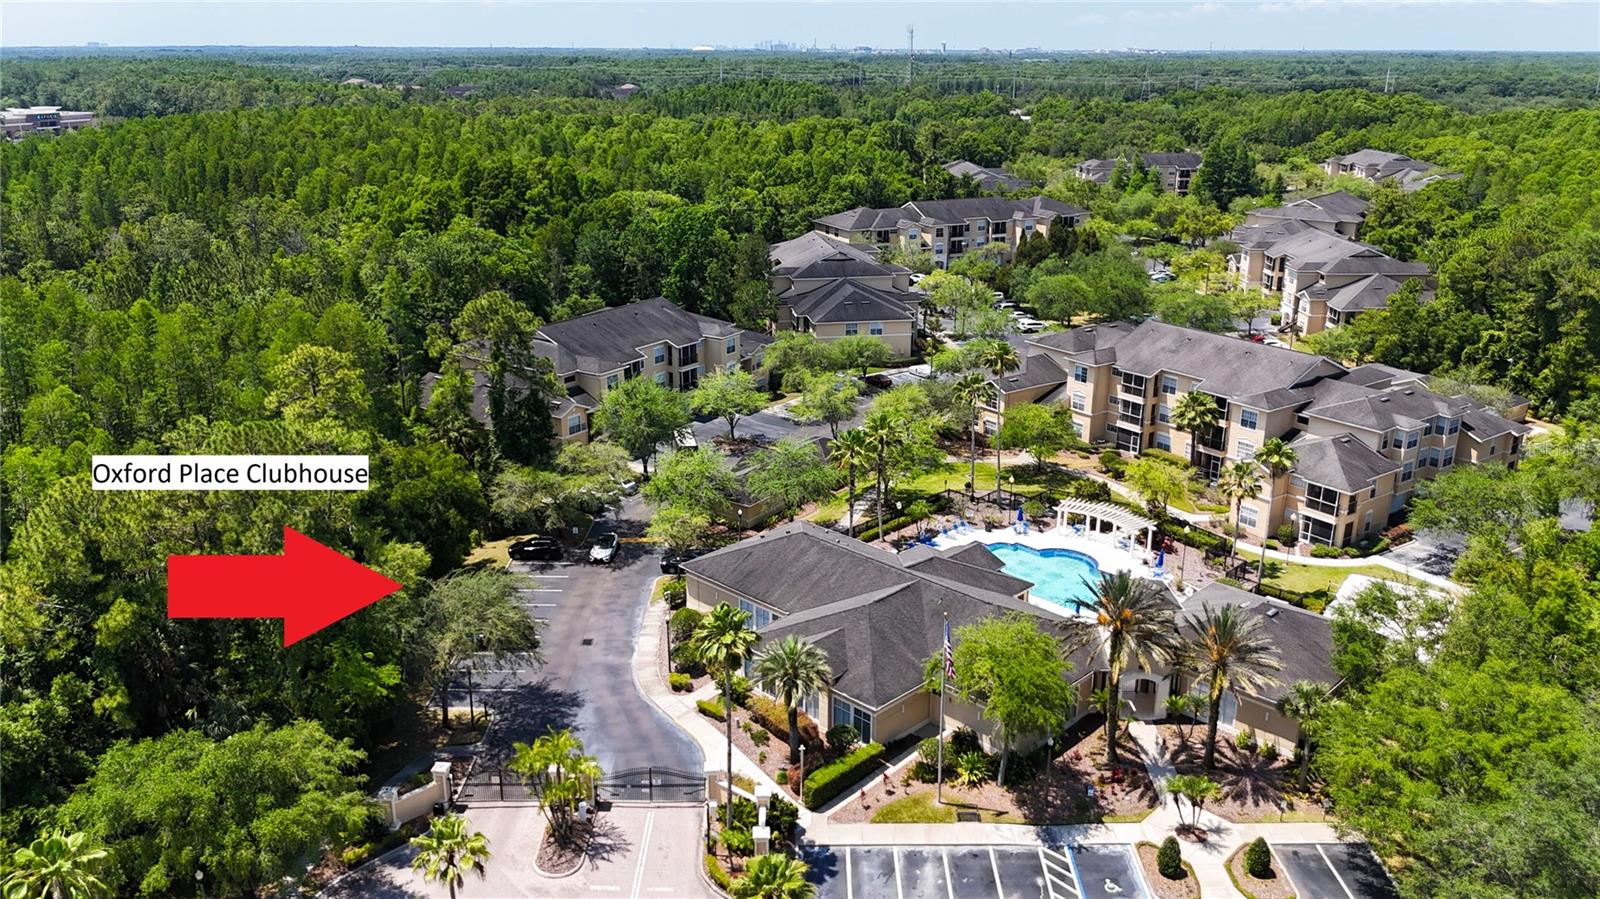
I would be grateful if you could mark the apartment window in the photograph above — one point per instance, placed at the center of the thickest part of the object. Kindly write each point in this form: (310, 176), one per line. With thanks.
(1247, 419)
(851, 329)
(1492, 449)
(611, 381)
(689, 355)
(732, 346)
(1133, 383)
(1078, 403)
(1407, 470)
(1411, 438)
(846, 713)
(1454, 426)
(1247, 516)
(1162, 442)
(661, 354)
(759, 617)
(1080, 374)
(661, 378)
(810, 704)
(1163, 414)
(1322, 499)
(1169, 385)
(875, 329)
(576, 425)
(1449, 458)
(1246, 449)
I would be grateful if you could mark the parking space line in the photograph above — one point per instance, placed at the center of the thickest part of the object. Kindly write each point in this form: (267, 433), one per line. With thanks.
(1332, 867)
(545, 590)
(994, 866)
(644, 853)
(949, 888)
(898, 892)
(849, 888)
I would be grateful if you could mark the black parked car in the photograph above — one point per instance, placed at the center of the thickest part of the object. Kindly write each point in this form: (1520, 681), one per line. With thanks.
(536, 549)
(879, 380)
(672, 562)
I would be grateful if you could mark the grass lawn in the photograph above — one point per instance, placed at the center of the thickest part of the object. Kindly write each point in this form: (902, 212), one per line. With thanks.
(921, 809)
(494, 553)
(1308, 578)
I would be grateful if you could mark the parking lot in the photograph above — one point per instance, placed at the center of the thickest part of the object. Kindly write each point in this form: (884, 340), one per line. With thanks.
(1334, 871)
(959, 872)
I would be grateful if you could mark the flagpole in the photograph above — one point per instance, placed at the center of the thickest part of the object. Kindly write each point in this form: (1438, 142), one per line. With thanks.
(944, 665)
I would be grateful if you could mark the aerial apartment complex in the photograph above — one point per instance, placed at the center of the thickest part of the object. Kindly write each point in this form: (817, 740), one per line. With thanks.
(1365, 437)
(833, 288)
(946, 229)
(1175, 170)
(989, 180)
(1381, 167)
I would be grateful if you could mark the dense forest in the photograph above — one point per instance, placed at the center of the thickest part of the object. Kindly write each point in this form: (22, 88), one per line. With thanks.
(248, 256)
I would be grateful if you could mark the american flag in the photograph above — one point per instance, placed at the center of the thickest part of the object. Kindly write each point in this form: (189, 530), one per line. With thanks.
(949, 654)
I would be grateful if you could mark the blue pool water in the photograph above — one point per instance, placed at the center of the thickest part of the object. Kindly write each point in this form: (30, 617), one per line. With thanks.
(1061, 576)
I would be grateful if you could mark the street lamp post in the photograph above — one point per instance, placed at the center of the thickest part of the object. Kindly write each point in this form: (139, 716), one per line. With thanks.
(802, 790)
(200, 882)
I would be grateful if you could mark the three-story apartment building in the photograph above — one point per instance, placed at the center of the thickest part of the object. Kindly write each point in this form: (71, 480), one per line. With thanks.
(593, 353)
(948, 228)
(1379, 166)
(1174, 171)
(1365, 437)
(1320, 277)
(833, 288)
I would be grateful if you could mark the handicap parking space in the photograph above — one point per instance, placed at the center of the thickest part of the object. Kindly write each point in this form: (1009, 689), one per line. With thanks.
(1334, 871)
(959, 872)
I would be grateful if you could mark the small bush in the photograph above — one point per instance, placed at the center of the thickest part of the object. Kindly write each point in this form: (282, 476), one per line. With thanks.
(782, 816)
(718, 876)
(965, 739)
(682, 625)
(1325, 552)
(1400, 533)
(1271, 543)
(928, 750)
(680, 683)
(1033, 508)
(1286, 534)
(972, 768)
(1258, 859)
(1269, 752)
(841, 737)
(1162, 455)
(1089, 489)
(712, 708)
(759, 736)
(684, 661)
(738, 841)
(772, 715)
(1169, 859)
(738, 686)
(841, 774)
(782, 777)
(676, 593)
(1246, 740)
(1112, 463)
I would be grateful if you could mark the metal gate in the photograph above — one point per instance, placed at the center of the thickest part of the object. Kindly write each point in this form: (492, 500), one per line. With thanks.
(492, 783)
(651, 785)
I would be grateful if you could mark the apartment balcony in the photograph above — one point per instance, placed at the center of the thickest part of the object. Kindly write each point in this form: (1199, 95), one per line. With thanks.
(1133, 421)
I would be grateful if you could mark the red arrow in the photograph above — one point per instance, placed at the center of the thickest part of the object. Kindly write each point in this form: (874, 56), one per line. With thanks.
(310, 586)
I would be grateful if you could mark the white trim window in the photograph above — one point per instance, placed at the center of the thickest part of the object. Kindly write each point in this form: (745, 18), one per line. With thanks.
(1247, 516)
(1248, 420)
(851, 329)
(661, 354)
(1247, 450)
(661, 378)
(760, 617)
(1408, 468)
(1162, 441)
(1163, 415)
(731, 348)
(875, 329)
(576, 424)
(844, 712)
(611, 381)
(1080, 373)
(1169, 385)
(1079, 404)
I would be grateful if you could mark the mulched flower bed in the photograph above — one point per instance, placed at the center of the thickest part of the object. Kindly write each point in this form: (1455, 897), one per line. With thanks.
(1058, 795)
(1276, 888)
(1187, 888)
(1254, 789)
(559, 857)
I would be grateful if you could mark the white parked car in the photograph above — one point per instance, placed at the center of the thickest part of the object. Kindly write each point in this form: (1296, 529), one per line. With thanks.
(1273, 341)
(1162, 277)
(1005, 305)
(685, 439)
(604, 549)
(1030, 325)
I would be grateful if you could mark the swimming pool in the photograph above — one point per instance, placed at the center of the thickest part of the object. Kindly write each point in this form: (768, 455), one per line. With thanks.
(1059, 576)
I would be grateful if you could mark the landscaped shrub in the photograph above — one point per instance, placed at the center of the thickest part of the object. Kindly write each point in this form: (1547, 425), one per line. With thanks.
(738, 841)
(684, 660)
(675, 592)
(712, 708)
(1162, 455)
(1246, 740)
(782, 777)
(1169, 859)
(739, 687)
(972, 768)
(771, 714)
(840, 774)
(1269, 752)
(1286, 534)
(1325, 552)
(680, 683)
(718, 876)
(1112, 463)
(759, 736)
(1205, 541)
(1397, 535)
(1033, 508)
(1089, 489)
(964, 739)
(682, 624)
(782, 815)
(1258, 859)
(841, 737)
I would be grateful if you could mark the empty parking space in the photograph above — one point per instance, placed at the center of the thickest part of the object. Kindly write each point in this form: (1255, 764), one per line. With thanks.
(1334, 871)
(959, 872)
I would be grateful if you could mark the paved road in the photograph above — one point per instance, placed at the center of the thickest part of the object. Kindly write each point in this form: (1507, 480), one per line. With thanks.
(1334, 871)
(592, 614)
(974, 872)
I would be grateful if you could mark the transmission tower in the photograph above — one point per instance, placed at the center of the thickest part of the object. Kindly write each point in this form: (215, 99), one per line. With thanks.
(911, 51)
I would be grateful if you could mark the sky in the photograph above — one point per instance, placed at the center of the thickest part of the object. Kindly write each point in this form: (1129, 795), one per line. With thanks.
(970, 24)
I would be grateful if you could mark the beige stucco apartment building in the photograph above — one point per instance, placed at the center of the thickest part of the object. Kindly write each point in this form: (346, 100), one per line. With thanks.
(1365, 437)
(833, 288)
(946, 229)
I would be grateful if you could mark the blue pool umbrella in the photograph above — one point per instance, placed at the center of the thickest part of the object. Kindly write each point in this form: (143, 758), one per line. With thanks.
(1161, 558)
(1019, 513)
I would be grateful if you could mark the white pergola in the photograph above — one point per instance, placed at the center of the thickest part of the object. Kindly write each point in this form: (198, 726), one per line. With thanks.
(1094, 513)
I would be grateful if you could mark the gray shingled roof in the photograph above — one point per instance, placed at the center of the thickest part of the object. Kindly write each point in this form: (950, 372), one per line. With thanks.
(1037, 370)
(864, 218)
(993, 208)
(987, 178)
(816, 255)
(1224, 366)
(1091, 343)
(1181, 160)
(1374, 374)
(610, 338)
(1342, 462)
(1370, 292)
(848, 300)
(1304, 639)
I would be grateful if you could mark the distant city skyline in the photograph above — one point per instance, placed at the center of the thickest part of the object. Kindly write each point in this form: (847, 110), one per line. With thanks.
(1535, 25)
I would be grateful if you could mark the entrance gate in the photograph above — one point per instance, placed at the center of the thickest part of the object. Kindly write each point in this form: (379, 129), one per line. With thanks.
(650, 785)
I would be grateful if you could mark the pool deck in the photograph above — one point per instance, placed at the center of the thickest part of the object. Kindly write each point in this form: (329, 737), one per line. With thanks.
(1108, 556)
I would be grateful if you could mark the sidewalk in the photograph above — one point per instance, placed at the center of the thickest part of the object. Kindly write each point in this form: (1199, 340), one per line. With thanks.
(680, 707)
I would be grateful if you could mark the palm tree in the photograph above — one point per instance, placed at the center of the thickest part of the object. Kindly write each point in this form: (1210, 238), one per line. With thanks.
(1197, 788)
(883, 433)
(1195, 412)
(848, 452)
(448, 850)
(791, 670)
(1136, 625)
(723, 640)
(969, 391)
(998, 357)
(1229, 651)
(57, 865)
(1278, 458)
(773, 876)
(1181, 706)
(563, 776)
(1238, 482)
(1308, 703)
